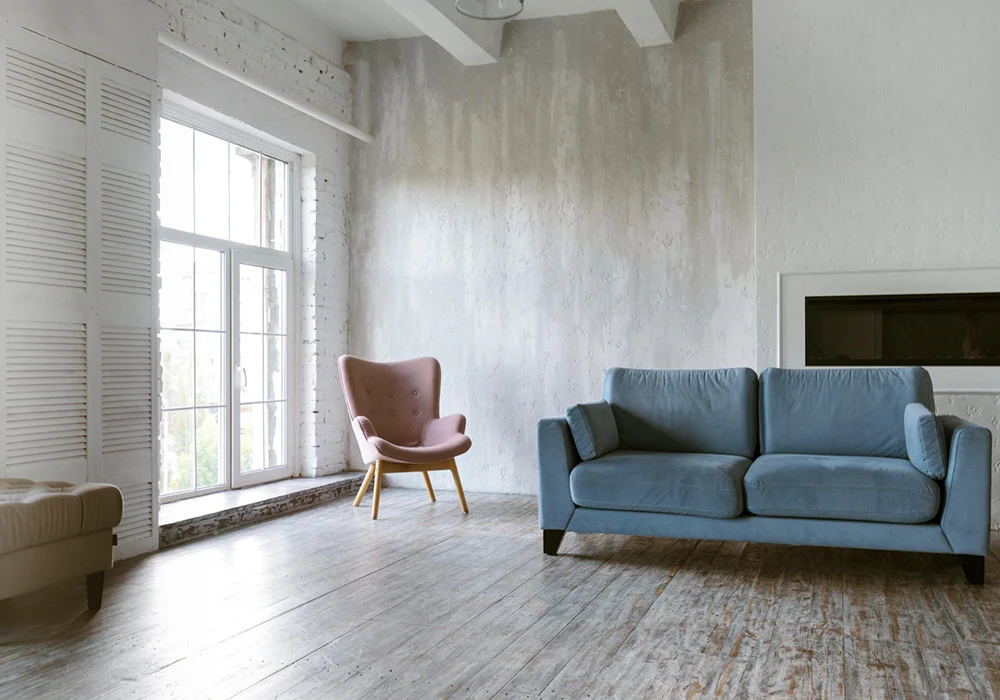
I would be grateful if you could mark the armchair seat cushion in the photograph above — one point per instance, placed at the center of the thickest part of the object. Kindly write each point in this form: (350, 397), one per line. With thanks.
(453, 446)
(661, 482)
(876, 489)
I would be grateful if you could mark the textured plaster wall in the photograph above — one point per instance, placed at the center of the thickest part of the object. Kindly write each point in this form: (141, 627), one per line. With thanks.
(877, 147)
(247, 44)
(581, 204)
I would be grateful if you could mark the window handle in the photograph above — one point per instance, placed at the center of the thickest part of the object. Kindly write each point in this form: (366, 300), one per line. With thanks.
(243, 377)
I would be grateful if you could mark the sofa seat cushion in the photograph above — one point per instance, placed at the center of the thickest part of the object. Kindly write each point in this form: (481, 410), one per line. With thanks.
(34, 513)
(876, 489)
(661, 482)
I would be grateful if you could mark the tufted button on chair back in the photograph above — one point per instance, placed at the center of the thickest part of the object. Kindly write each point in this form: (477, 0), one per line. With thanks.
(397, 397)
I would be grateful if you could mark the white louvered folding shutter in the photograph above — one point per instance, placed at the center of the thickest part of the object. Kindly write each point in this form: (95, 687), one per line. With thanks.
(76, 297)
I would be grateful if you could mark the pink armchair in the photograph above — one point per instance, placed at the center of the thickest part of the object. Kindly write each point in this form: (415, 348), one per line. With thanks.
(395, 415)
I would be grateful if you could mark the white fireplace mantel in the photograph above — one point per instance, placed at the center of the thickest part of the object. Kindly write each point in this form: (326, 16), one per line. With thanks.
(793, 288)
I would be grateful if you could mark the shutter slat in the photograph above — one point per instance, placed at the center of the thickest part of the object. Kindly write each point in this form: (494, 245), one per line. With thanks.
(45, 85)
(126, 396)
(137, 520)
(126, 111)
(46, 395)
(71, 75)
(46, 241)
(126, 231)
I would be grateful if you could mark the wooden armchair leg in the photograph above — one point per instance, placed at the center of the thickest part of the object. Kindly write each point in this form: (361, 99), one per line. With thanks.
(364, 485)
(458, 487)
(378, 489)
(95, 590)
(430, 489)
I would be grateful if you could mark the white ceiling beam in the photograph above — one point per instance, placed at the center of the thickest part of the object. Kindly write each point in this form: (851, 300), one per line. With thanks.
(652, 22)
(473, 42)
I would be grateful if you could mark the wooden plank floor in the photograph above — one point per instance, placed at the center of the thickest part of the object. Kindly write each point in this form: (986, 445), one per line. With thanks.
(427, 603)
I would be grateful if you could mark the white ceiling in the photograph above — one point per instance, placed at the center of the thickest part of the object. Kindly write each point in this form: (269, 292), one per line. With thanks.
(368, 20)
(359, 20)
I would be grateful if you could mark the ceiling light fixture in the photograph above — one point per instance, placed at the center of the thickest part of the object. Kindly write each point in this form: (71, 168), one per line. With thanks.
(490, 9)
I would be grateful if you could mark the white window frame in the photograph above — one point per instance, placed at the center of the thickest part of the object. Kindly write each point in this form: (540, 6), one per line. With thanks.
(235, 253)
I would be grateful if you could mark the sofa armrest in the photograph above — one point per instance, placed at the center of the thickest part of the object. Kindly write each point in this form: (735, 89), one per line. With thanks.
(556, 458)
(965, 519)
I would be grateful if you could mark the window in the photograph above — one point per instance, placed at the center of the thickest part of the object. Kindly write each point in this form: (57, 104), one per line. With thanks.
(226, 272)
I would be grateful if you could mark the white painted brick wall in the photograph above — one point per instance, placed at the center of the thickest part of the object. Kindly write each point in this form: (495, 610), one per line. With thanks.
(242, 41)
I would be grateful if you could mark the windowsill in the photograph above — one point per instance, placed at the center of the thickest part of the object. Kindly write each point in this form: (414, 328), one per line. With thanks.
(195, 517)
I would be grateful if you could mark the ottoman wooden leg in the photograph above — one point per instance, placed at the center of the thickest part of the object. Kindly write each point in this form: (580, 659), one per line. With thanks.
(95, 590)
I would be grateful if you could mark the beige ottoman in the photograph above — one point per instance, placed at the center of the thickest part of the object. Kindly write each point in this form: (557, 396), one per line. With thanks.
(51, 531)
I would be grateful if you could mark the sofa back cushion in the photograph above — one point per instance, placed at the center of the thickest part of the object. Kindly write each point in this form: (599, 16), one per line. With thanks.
(710, 411)
(856, 412)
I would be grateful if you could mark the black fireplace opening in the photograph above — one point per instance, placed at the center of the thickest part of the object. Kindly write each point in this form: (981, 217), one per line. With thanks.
(954, 330)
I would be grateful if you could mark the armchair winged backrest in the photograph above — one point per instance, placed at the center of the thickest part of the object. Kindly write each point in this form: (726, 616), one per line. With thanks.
(399, 398)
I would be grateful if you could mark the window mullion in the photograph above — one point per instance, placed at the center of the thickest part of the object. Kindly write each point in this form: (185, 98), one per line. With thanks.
(194, 361)
(232, 313)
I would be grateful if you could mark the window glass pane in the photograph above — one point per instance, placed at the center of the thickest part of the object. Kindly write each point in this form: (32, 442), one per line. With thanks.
(251, 437)
(209, 368)
(176, 451)
(274, 434)
(209, 452)
(274, 370)
(252, 367)
(177, 360)
(244, 194)
(275, 207)
(208, 289)
(215, 187)
(251, 298)
(211, 182)
(176, 286)
(176, 176)
(281, 203)
(274, 301)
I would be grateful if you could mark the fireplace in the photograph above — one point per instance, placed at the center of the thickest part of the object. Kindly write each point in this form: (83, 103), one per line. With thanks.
(880, 317)
(933, 330)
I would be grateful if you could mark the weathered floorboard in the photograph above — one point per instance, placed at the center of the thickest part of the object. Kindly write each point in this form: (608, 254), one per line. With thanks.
(426, 602)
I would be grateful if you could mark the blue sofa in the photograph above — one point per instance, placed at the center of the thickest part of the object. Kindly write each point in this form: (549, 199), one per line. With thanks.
(798, 457)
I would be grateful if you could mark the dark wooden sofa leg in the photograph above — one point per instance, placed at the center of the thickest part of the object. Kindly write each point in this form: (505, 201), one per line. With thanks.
(95, 590)
(974, 568)
(551, 539)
